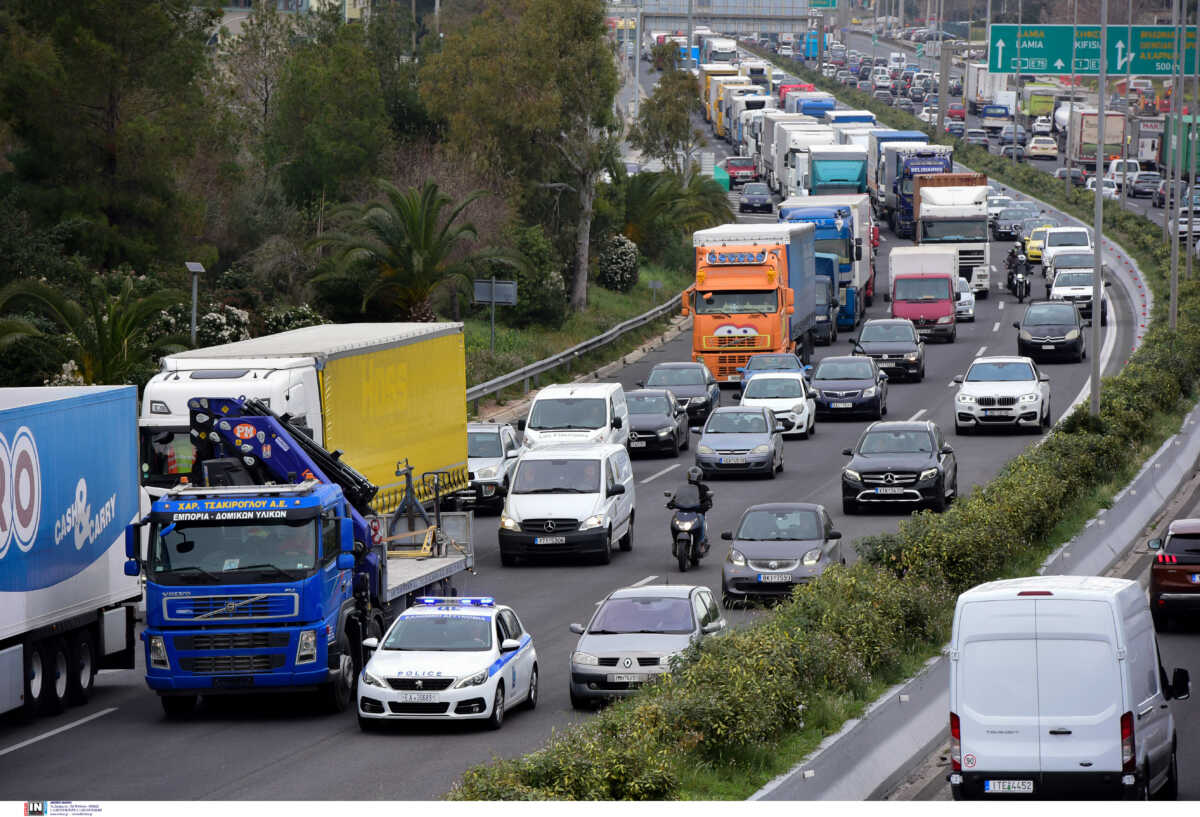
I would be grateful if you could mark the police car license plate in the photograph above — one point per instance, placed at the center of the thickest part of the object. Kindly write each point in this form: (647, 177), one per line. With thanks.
(770, 578)
(626, 678)
(842, 405)
(637, 443)
(1008, 786)
(733, 460)
(889, 490)
(1050, 348)
(418, 697)
(550, 540)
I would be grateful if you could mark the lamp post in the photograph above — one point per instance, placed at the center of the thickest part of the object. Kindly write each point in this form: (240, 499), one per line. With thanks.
(195, 268)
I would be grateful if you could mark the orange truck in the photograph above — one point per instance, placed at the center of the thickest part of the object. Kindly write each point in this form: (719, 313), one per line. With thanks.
(755, 292)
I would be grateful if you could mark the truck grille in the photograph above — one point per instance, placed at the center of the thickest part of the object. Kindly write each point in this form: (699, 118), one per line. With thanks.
(737, 341)
(549, 525)
(230, 641)
(236, 608)
(997, 401)
(424, 684)
(896, 478)
(968, 260)
(225, 664)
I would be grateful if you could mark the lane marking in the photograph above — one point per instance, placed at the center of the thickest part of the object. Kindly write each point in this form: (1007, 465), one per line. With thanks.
(57, 731)
(996, 326)
(915, 416)
(1000, 305)
(646, 580)
(1106, 350)
(982, 349)
(666, 470)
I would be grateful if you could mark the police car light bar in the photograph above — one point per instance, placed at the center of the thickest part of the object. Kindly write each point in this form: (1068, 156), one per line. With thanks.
(472, 601)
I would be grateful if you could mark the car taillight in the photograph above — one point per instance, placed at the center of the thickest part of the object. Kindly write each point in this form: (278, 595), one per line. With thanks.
(956, 743)
(1167, 559)
(1128, 759)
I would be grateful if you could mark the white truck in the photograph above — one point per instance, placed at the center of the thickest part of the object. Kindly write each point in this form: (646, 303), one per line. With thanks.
(906, 260)
(791, 153)
(740, 104)
(766, 141)
(957, 217)
(981, 86)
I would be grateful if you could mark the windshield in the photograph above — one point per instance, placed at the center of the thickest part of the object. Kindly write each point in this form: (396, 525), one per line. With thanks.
(1049, 314)
(772, 363)
(822, 296)
(844, 370)
(166, 456)
(835, 246)
(887, 332)
(755, 189)
(922, 289)
(736, 422)
(953, 230)
(483, 444)
(998, 201)
(774, 526)
(451, 633)
(1013, 213)
(675, 377)
(772, 387)
(568, 413)
(740, 162)
(737, 303)
(643, 615)
(1075, 279)
(1076, 239)
(1038, 234)
(646, 404)
(1146, 176)
(557, 477)
(233, 554)
(896, 442)
(1006, 372)
(1074, 259)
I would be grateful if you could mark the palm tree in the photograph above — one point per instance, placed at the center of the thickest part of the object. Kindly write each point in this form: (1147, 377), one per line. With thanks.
(403, 250)
(106, 335)
(659, 203)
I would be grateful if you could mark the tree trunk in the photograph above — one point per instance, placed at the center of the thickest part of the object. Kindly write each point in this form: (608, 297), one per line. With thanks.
(583, 239)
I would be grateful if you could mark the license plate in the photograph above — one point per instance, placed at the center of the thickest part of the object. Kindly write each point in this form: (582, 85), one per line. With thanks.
(1008, 786)
(236, 682)
(889, 490)
(842, 405)
(626, 678)
(418, 697)
(733, 460)
(637, 443)
(734, 377)
(1194, 578)
(993, 412)
(550, 540)
(772, 578)
(1050, 347)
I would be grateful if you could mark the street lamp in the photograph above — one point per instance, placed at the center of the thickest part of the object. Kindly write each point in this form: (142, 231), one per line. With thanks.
(195, 268)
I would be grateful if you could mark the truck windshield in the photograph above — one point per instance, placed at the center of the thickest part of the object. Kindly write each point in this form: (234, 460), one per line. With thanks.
(835, 246)
(922, 289)
(166, 456)
(737, 303)
(423, 632)
(483, 444)
(233, 554)
(953, 230)
(583, 413)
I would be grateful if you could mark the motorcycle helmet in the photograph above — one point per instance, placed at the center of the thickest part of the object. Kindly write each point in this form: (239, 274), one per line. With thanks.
(694, 474)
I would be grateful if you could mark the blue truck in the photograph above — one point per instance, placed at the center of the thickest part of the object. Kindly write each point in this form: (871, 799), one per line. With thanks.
(268, 572)
(832, 117)
(840, 233)
(876, 140)
(68, 488)
(930, 160)
(826, 265)
(812, 45)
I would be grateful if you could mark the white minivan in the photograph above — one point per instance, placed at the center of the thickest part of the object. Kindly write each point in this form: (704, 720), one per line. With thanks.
(1064, 239)
(1056, 690)
(569, 500)
(577, 414)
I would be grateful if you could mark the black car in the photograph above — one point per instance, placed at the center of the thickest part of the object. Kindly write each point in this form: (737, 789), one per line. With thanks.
(1078, 177)
(893, 343)
(691, 383)
(1049, 329)
(956, 128)
(658, 422)
(900, 463)
(916, 94)
(1006, 135)
(756, 198)
(1008, 222)
(775, 547)
(1162, 194)
(849, 384)
(904, 104)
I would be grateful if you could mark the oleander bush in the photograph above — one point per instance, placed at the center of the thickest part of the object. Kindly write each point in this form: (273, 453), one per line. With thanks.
(617, 265)
(749, 688)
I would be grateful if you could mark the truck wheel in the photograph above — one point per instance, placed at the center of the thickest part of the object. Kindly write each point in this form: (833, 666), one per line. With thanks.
(340, 689)
(177, 707)
(35, 679)
(57, 672)
(83, 668)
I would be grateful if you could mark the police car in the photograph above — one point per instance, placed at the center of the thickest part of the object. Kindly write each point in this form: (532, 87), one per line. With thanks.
(449, 658)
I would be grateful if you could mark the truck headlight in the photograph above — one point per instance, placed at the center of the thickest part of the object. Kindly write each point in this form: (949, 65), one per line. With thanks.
(852, 475)
(1073, 334)
(704, 449)
(946, 319)
(472, 680)
(736, 557)
(306, 647)
(928, 473)
(487, 473)
(158, 653)
(598, 520)
(812, 557)
(760, 449)
(870, 392)
(584, 659)
(508, 523)
(371, 681)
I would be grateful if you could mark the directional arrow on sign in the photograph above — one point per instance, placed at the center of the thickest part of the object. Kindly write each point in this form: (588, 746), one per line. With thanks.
(1122, 61)
(1058, 63)
(1000, 53)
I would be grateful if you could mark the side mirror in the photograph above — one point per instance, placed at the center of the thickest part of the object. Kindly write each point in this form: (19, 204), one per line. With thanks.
(371, 643)
(958, 378)
(520, 425)
(737, 395)
(510, 645)
(846, 452)
(694, 429)
(947, 449)
(512, 453)
(576, 628)
(346, 535)
(834, 534)
(852, 339)
(727, 535)
(883, 376)
(1043, 378)
(641, 384)
(132, 568)
(345, 561)
(616, 422)
(131, 543)
(1181, 684)
(713, 627)
(668, 494)
(617, 489)
(1154, 544)
(1016, 324)
(858, 249)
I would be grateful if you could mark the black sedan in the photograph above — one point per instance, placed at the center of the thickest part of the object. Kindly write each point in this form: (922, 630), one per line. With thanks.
(691, 383)
(893, 343)
(900, 463)
(775, 547)
(1050, 329)
(850, 384)
(756, 198)
(1078, 177)
(1008, 222)
(658, 422)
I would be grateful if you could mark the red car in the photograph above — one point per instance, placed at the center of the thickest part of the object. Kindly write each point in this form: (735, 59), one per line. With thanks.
(956, 110)
(1175, 572)
(741, 169)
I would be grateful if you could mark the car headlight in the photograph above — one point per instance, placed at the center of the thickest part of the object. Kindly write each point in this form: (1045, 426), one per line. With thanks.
(736, 557)
(966, 398)
(704, 449)
(870, 392)
(799, 408)
(598, 520)
(508, 523)
(487, 473)
(306, 647)
(911, 356)
(812, 557)
(1024, 335)
(158, 653)
(1029, 398)
(946, 319)
(665, 432)
(928, 473)
(370, 680)
(1073, 334)
(473, 680)
(584, 659)
(760, 449)
(852, 475)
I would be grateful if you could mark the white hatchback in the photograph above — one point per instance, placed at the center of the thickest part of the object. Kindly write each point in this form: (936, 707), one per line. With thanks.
(788, 396)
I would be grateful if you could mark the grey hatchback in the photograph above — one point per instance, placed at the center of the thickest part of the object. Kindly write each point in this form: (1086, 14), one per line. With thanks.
(776, 546)
(741, 439)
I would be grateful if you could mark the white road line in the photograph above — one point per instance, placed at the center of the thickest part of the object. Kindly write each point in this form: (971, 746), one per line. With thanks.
(916, 416)
(1000, 305)
(996, 326)
(646, 580)
(53, 732)
(666, 470)
(982, 349)
(1106, 350)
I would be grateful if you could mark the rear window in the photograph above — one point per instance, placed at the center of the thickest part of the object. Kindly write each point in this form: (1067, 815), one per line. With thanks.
(997, 670)
(1183, 544)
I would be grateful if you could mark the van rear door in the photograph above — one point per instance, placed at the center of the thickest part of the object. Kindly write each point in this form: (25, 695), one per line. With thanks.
(996, 687)
(1078, 687)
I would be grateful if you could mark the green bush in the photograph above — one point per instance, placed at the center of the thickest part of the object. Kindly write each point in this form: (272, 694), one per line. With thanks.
(617, 266)
(541, 289)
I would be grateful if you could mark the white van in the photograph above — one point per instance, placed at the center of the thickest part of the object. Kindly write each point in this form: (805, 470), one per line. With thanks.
(1056, 689)
(1117, 168)
(569, 500)
(577, 414)
(1064, 239)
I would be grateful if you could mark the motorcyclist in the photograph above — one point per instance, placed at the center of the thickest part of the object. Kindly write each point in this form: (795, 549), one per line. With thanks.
(693, 496)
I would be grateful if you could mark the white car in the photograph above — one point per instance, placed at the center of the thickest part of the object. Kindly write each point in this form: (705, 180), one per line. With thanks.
(1077, 285)
(1108, 189)
(964, 307)
(1002, 391)
(1058, 240)
(788, 395)
(1042, 126)
(927, 114)
(461, 658)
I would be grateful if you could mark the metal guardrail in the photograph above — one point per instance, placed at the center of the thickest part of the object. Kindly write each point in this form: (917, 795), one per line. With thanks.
(529, 373)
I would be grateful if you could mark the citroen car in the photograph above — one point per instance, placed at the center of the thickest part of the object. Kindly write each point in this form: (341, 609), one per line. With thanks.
(1051, 329)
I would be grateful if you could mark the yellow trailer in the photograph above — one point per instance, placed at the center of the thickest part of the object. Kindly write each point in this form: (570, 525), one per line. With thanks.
(707, 72)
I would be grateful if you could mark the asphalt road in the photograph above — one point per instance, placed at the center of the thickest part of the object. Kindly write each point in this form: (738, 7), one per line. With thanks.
(121, 747)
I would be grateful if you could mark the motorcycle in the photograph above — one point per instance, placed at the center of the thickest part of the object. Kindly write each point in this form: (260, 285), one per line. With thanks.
(1021, 287)
(1017, 268)
(686, 524)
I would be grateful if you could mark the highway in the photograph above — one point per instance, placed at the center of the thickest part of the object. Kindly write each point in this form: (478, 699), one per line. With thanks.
(282, 748)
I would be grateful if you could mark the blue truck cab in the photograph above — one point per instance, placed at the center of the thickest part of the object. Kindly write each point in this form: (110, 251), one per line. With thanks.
(826, 265)
(816, 108)
(834, 236)
(918, 165)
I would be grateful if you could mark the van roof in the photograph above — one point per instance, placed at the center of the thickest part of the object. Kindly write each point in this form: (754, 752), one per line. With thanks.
(572, 452)
(578, 390)
(1090, 588)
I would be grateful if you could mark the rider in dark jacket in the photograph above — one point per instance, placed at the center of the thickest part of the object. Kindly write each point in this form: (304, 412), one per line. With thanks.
(693, 496)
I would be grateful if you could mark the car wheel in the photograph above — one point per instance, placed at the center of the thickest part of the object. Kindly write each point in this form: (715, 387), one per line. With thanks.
(687, 440)
(606, 554)
(939, 502)
(531, 698)
(1162, 621)
(368, 725)
(497, 717)
(1046, 417)
(953, 335)
(675, 446)
(507, 559)
(878, 414)
(849, 507)
(812, 424)
(1170, 789)
(962, 430)
(727, 601)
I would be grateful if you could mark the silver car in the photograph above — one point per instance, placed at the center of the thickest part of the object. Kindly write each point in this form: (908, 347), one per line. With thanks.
(634, 634)
(492, 450)
(775, 547)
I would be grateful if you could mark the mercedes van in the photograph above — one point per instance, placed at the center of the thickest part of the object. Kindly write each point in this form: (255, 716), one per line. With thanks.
(577, 414)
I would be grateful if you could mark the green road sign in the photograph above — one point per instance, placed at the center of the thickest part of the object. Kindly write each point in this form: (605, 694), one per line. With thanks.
(874, 39)
(920, 49)
(1140, 50)
(822, 4)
